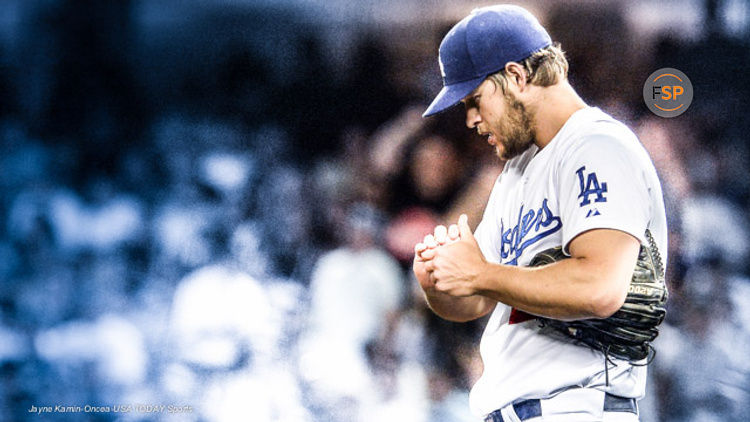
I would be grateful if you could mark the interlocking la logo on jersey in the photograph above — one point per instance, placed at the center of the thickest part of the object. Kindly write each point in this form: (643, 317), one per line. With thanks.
(531, 227)
(590, 186)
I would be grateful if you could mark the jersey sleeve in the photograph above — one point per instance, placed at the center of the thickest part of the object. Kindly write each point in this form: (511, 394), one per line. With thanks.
(602, 185)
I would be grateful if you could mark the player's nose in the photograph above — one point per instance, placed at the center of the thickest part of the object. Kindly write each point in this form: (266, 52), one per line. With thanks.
(472, 117)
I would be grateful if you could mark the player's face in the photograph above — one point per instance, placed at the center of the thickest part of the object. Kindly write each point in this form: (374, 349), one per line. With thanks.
(501, 118)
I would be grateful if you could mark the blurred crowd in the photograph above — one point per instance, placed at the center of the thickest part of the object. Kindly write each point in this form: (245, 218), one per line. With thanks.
(204, 210)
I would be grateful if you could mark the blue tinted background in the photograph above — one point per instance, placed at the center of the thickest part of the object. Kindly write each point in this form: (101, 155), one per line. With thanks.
(204, 204)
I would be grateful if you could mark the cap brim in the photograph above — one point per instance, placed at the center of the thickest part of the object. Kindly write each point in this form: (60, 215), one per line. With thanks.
(450, 95)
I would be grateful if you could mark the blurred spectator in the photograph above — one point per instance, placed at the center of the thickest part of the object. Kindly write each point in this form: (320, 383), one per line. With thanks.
(715, 228)
(225, 335)
(450, 377)
(115, 345)
(13, 345)
(702, 372)
(428, 180)
(354, 291)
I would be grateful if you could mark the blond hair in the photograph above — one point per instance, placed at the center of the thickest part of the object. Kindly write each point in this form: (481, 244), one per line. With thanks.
(544, 67)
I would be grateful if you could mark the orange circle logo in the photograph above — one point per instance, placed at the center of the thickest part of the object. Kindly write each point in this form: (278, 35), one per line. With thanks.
(668, 92)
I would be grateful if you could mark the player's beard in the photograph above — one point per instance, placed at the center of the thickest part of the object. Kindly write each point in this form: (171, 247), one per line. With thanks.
(516, 131)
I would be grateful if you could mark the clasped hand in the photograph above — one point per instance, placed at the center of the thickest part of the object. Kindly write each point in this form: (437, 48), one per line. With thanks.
(449, 260)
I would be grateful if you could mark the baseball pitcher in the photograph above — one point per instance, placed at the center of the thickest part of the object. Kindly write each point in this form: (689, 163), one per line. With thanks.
(568, 258)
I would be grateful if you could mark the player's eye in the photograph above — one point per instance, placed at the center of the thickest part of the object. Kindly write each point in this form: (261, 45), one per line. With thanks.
(472, 102)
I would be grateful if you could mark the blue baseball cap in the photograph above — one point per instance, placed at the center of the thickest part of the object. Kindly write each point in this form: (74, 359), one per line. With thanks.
(480, 45)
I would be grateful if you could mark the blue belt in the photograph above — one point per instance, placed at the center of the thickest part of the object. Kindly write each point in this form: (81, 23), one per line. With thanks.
(532, 408)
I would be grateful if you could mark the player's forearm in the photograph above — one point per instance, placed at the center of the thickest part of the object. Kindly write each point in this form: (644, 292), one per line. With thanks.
(566, 290)
(459, 309)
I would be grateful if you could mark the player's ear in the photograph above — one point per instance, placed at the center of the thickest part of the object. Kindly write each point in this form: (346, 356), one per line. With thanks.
(516, 74)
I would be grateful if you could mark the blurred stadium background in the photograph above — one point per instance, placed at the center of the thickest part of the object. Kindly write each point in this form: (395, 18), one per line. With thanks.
(213, 203)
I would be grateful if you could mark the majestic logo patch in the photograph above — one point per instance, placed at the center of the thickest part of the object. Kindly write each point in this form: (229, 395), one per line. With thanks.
(590, 186)
(532, 226)
(593, 213)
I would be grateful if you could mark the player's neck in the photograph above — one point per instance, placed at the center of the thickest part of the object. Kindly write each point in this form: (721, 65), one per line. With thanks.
(553, 107)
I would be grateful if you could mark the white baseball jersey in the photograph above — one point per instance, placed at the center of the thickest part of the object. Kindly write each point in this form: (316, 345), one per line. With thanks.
(593, 174)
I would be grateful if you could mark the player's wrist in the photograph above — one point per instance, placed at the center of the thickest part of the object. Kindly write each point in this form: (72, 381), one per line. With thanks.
(483, 280)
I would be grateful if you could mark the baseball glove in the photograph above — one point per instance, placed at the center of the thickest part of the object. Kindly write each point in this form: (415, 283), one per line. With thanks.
(628, 333)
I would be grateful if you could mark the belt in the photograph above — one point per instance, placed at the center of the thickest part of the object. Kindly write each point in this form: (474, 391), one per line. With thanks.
(532, 408)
